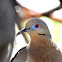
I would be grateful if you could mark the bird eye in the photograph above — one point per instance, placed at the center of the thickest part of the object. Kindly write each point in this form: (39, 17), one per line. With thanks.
(37, 25)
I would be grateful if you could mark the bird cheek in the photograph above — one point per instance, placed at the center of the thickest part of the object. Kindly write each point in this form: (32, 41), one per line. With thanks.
(41, 31)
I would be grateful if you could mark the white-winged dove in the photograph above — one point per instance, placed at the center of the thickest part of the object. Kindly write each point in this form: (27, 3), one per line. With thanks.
(40, 48)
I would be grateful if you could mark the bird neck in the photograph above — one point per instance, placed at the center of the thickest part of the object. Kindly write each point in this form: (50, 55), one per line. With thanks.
(40, 50)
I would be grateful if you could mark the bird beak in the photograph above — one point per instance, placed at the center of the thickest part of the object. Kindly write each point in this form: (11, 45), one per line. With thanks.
(22, 30)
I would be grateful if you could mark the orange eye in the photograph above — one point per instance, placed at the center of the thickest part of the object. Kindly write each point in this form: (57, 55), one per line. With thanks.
(37, 25)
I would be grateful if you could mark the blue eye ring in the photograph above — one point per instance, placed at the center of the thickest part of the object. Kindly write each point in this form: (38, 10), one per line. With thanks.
(36, 26)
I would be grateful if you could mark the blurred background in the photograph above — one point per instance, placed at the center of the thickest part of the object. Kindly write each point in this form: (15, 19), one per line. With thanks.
(49, 11)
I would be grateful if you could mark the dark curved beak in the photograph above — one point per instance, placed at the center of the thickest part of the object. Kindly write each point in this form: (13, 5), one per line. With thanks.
(22, 30)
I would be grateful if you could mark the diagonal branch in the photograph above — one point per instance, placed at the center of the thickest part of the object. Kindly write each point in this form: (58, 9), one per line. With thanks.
(50, 11)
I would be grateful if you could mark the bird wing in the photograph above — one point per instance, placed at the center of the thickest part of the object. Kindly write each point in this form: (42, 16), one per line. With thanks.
(20, 56)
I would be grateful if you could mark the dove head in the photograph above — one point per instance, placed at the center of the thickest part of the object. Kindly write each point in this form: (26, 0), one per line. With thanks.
(35, 26)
